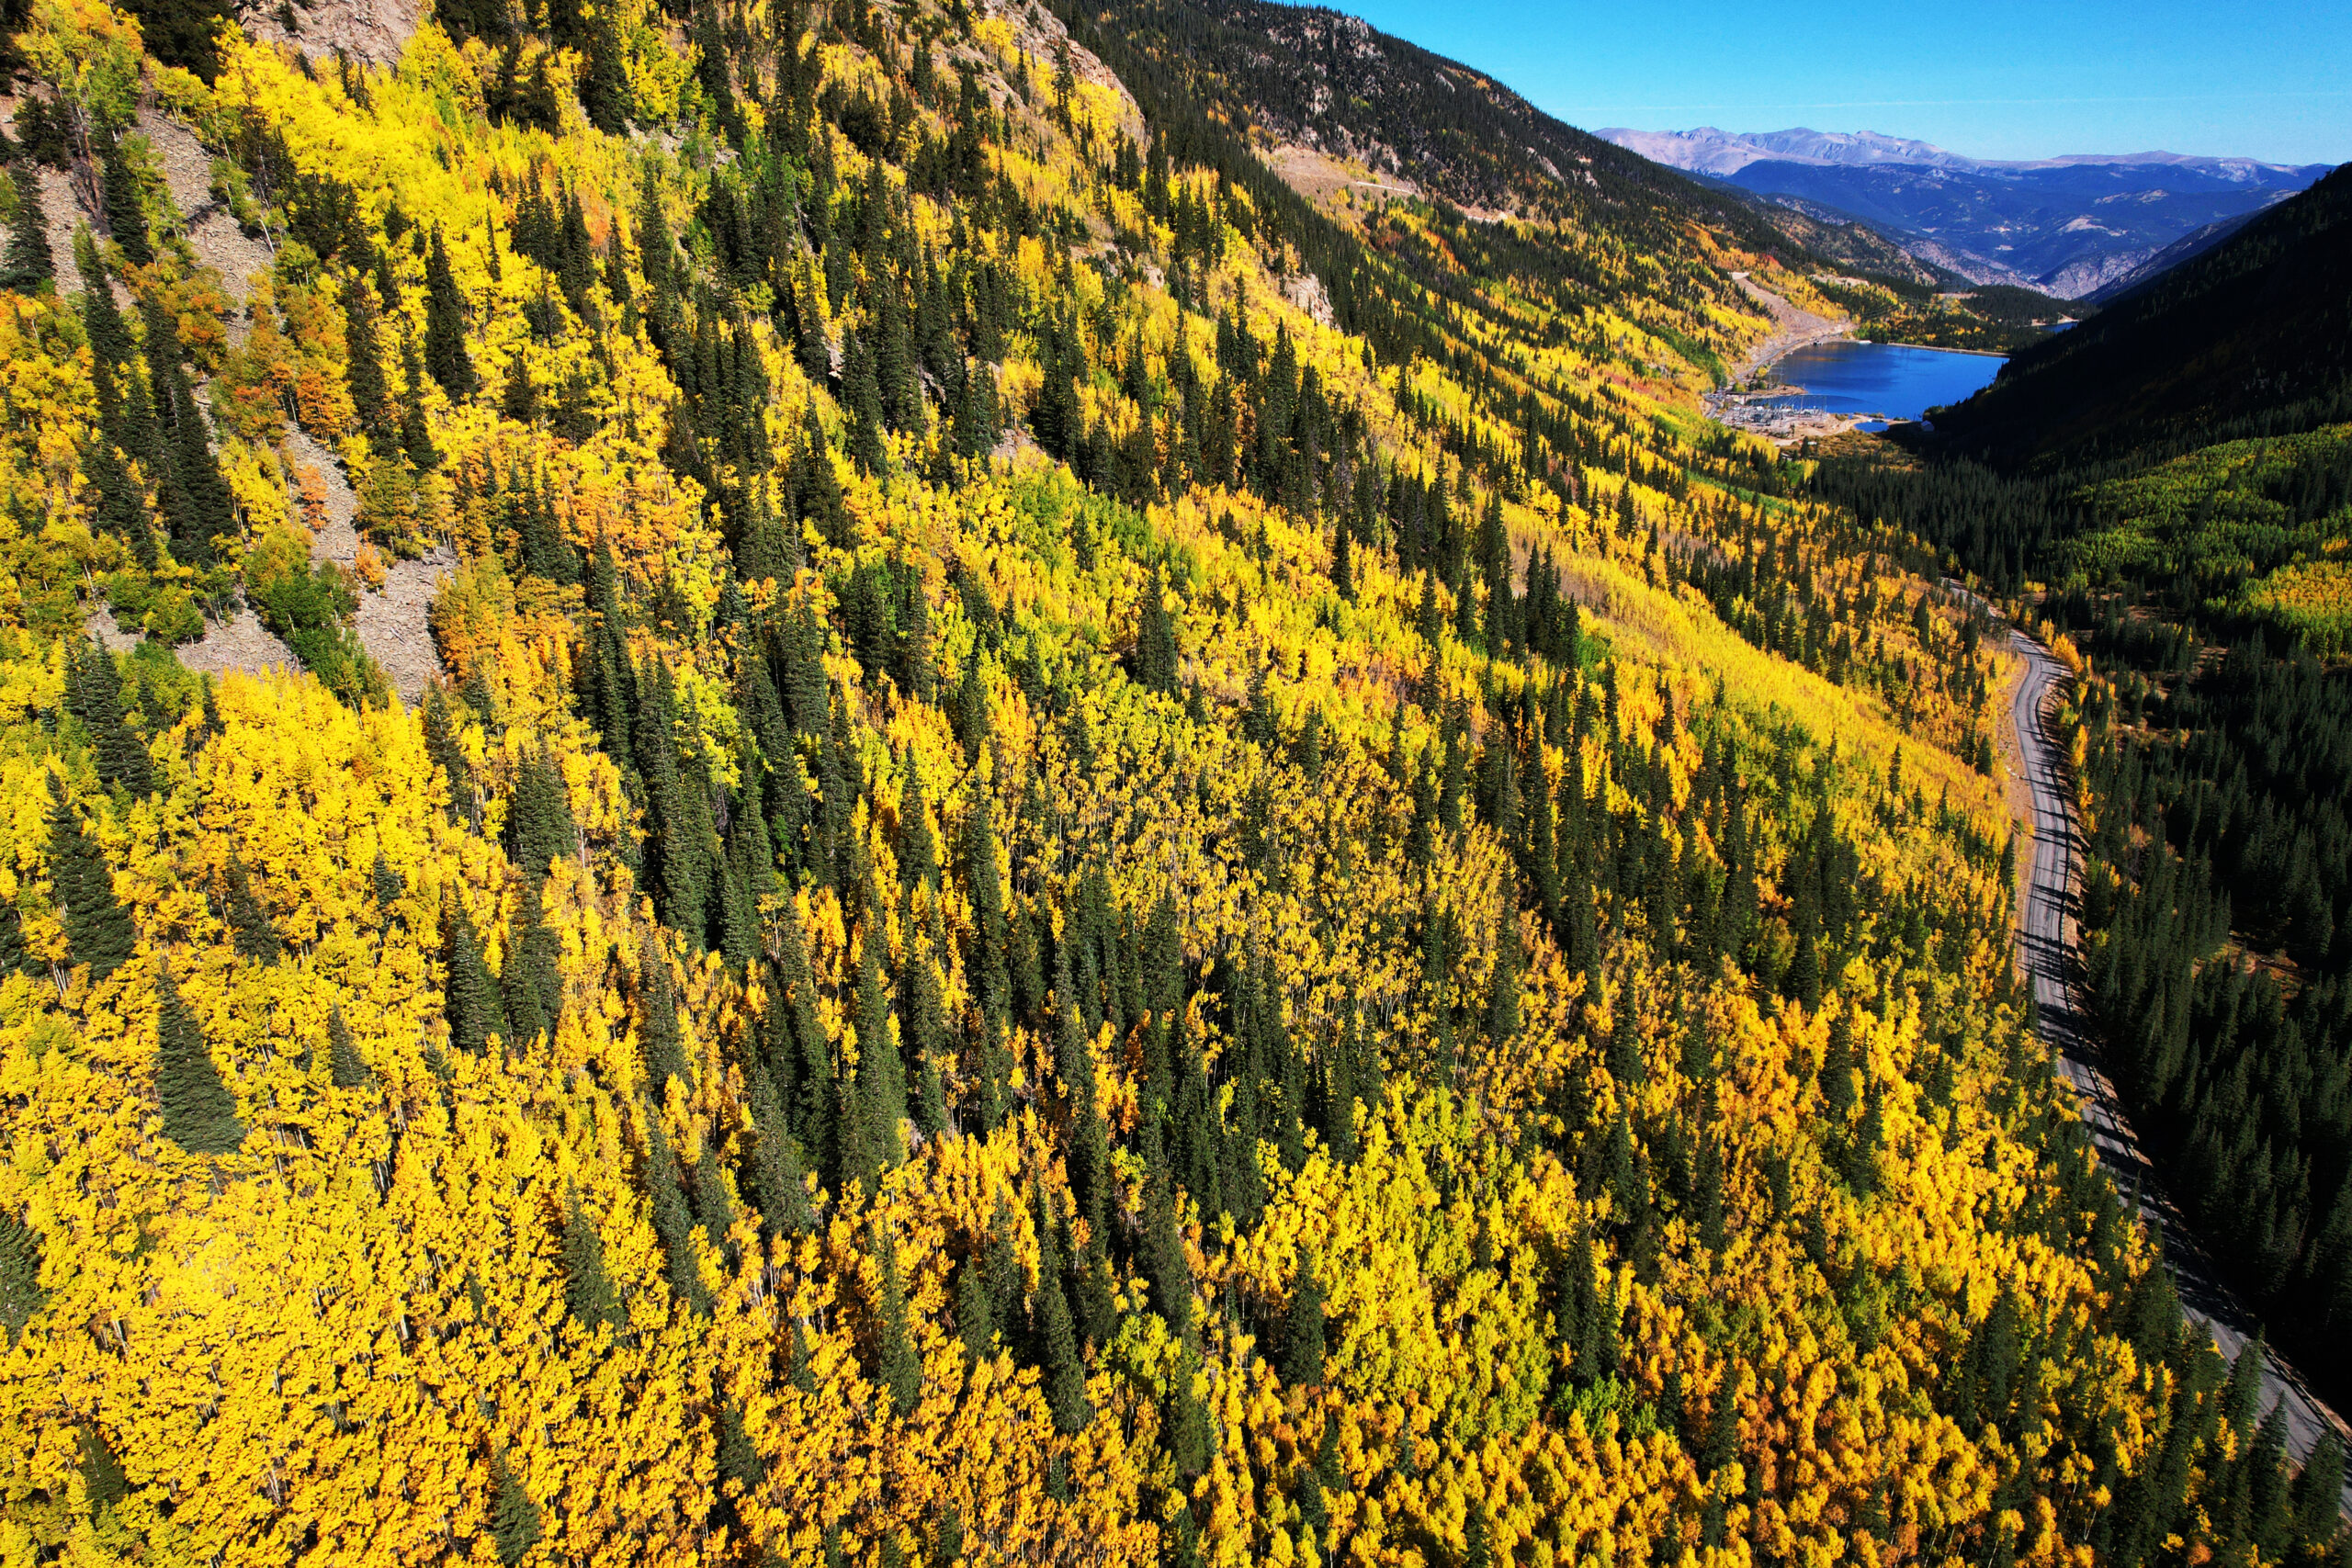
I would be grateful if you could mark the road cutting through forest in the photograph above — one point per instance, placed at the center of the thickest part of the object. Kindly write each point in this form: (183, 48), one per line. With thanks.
(2049, 943)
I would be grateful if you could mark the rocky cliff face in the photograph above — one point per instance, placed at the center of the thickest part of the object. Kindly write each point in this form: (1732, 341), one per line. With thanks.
(373, 31)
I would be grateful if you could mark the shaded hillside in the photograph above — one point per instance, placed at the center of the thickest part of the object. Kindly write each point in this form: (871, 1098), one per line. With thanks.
(1307, 74)
(2252, 337)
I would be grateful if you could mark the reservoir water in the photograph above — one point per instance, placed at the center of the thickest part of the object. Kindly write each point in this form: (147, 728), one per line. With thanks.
(1892, 380)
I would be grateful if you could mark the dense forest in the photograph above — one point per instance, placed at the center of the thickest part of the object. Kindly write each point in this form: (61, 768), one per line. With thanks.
(1988, 319)
(963, 834)
(2200, 575)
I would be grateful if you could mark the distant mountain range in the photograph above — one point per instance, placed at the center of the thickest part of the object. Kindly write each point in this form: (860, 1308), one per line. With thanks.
(2076, 226)
(2248, 339)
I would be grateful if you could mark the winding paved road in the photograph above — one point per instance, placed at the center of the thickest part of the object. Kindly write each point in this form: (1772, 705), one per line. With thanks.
(2048, 949)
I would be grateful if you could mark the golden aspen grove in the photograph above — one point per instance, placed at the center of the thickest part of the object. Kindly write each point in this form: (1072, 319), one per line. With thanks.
(1061, 856)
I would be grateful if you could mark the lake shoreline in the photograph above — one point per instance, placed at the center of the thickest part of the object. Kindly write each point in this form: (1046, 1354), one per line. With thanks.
(1932, 348)
(1841, 384)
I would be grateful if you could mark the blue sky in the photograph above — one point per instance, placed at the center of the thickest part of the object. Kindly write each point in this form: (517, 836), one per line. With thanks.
(2243, 78)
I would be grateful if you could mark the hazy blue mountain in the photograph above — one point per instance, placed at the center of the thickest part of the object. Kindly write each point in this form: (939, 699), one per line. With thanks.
(2252, 337)
(2069, 226)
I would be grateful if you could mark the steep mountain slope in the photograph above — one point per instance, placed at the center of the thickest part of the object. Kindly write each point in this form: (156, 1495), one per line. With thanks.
(1101, 868)
(1312, 75)
(2254, 337)
(2196, 243)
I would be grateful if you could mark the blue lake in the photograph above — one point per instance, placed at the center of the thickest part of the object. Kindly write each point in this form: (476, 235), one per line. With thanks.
(1890, 378)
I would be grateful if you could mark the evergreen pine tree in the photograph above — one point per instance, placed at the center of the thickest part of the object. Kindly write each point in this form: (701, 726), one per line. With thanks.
(923, 1020)
(1089, 1145)
(513, 1516)
(344, 1061)
(532, 985)
(441, 745)
(199, 1113)
(1182, 1416)
(2314, 1498)
(103, 1480)
(470, 999)
(540, 825)
(661, 1038)
(975, 1312)
(122, 509)
(28, 267)
(126, 214)
(603, 89)
(673, 1221)
(445, 326)
(98, 927)
(364, 366)
(385, 883)
(94, 695)
(1502, 987)
(1155, 655)
(21, 1294)
(897, 1367)
(15, 959)
(417, 437)
(881, 1069)
(777, 1171)
(588, 1293)
(1165, 1263)
(255, 938)
(1302, 1339)
(862, 392)
(1065, 1374)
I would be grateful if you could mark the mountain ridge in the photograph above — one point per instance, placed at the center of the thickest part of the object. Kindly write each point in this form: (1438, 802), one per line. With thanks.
(1716, 151)
(2072, 225)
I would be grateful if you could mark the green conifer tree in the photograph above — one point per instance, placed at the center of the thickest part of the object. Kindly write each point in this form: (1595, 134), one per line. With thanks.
(416, 436)
(21, 1294)
(881, 1071)
(28, 267)
(923, 1020)
(588, 1290)
(673, 1221)
(445, 326)
(15, 958)
(126, 213)
(897, 1367)
(975, 1312)
(777, 1171)
(532, 985)
(94, 696)
(1190, 1437)
(469, 999)
(661, 1038)
(1065, 1374)
(199, 1113)
(1301, 1362)
(98, 931)
(348, 1069)
(540, 825)
(513, 1516)
(255, 938)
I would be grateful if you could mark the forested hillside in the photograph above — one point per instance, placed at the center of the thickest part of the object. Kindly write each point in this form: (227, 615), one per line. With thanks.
(2203, 578)
(1096, 867)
